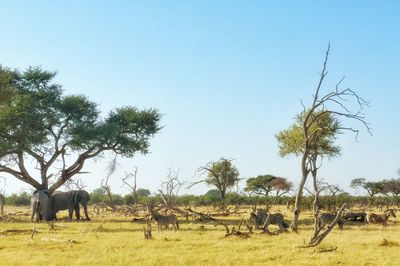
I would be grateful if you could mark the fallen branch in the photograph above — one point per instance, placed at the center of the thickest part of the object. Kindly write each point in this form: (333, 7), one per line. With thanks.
(60, 240)
(315, 241)
(326, 249)
(204, 217)
(16, 231)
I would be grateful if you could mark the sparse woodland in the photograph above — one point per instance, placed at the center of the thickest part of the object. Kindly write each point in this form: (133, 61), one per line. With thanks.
(274, 219)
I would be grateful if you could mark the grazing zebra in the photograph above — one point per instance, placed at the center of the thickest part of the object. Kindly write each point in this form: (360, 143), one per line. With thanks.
(380, 218)
(327, 219)
(164, 220)
(275, 218)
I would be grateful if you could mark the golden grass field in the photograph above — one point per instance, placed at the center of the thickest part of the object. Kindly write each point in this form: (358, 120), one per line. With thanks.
(116, 240)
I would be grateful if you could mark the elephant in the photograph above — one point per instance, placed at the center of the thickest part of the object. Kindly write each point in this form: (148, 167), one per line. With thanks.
(41, 205)
(70, 201)
(2, 202)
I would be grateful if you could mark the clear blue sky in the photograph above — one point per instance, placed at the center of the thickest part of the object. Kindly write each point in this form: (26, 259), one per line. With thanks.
(227, 75)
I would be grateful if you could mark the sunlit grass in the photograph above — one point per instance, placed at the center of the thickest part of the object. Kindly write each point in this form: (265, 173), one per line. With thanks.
(121, 242)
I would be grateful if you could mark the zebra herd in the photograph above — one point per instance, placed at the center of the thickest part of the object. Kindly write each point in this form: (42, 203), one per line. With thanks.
(261, 217)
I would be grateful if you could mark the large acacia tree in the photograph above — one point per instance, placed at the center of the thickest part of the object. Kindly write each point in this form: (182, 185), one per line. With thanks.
(58, 132)
(312, 136)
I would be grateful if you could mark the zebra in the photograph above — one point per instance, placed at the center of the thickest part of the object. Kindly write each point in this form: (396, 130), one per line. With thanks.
(164, 220)
(327, 219)
(275, 218)
(380, 218)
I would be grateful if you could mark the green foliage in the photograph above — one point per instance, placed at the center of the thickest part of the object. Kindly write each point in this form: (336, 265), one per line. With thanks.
(372, 188)
(319, 137)
(38, 121)
(98, 195)
(7, 88)
(264, 184)
(222, 175)
(143, 192)
(21, 199)
(392, 186)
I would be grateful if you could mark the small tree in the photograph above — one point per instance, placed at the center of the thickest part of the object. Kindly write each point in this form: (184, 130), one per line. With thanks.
(267, 184)
(372, 188)
(222, 175)
(392, 187)
(143, 192)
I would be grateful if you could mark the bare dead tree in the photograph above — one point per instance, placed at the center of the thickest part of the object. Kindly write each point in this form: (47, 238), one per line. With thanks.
(170, 187)
(130, 181)
(332, 190)
(73, 183)
(111, 167)
(335, 104)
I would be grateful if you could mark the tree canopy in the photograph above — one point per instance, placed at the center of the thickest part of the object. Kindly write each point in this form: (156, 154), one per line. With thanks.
(39, 122)
(319, 139)
(372, 188)
(221, 174)
(265, 184)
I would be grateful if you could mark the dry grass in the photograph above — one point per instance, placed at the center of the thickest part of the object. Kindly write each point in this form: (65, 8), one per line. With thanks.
(117, 241)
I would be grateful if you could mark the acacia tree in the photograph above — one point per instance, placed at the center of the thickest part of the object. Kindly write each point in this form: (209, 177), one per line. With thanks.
(221, 174)
(60, 132)
(392, 186)
(267, 184)
(321, 145)
(372, 188)
(313, 134)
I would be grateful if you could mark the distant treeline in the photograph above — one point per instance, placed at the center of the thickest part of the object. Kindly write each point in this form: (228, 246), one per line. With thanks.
(211, 198)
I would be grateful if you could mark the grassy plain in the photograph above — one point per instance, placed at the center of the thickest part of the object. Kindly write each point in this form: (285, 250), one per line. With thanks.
(112, 240)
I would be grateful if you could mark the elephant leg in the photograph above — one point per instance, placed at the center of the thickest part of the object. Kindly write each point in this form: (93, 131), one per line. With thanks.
(38, 215)
(70, 213)
(86, 212)
(33, 215)
(77, 212)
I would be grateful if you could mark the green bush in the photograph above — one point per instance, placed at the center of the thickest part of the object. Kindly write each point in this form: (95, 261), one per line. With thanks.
(21, 199)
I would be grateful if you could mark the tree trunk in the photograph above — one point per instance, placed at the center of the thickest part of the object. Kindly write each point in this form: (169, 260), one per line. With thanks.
(297, 204)
(222, 194)
(315, 241)
(299, 195)
(315, 204)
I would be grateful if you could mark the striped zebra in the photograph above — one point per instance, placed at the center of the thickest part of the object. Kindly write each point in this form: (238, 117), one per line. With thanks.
(380, 218)
(327, 219)
(275, 218)
(164, 220)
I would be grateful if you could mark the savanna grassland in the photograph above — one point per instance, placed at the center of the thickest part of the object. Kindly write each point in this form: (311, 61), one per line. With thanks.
(116, 240)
